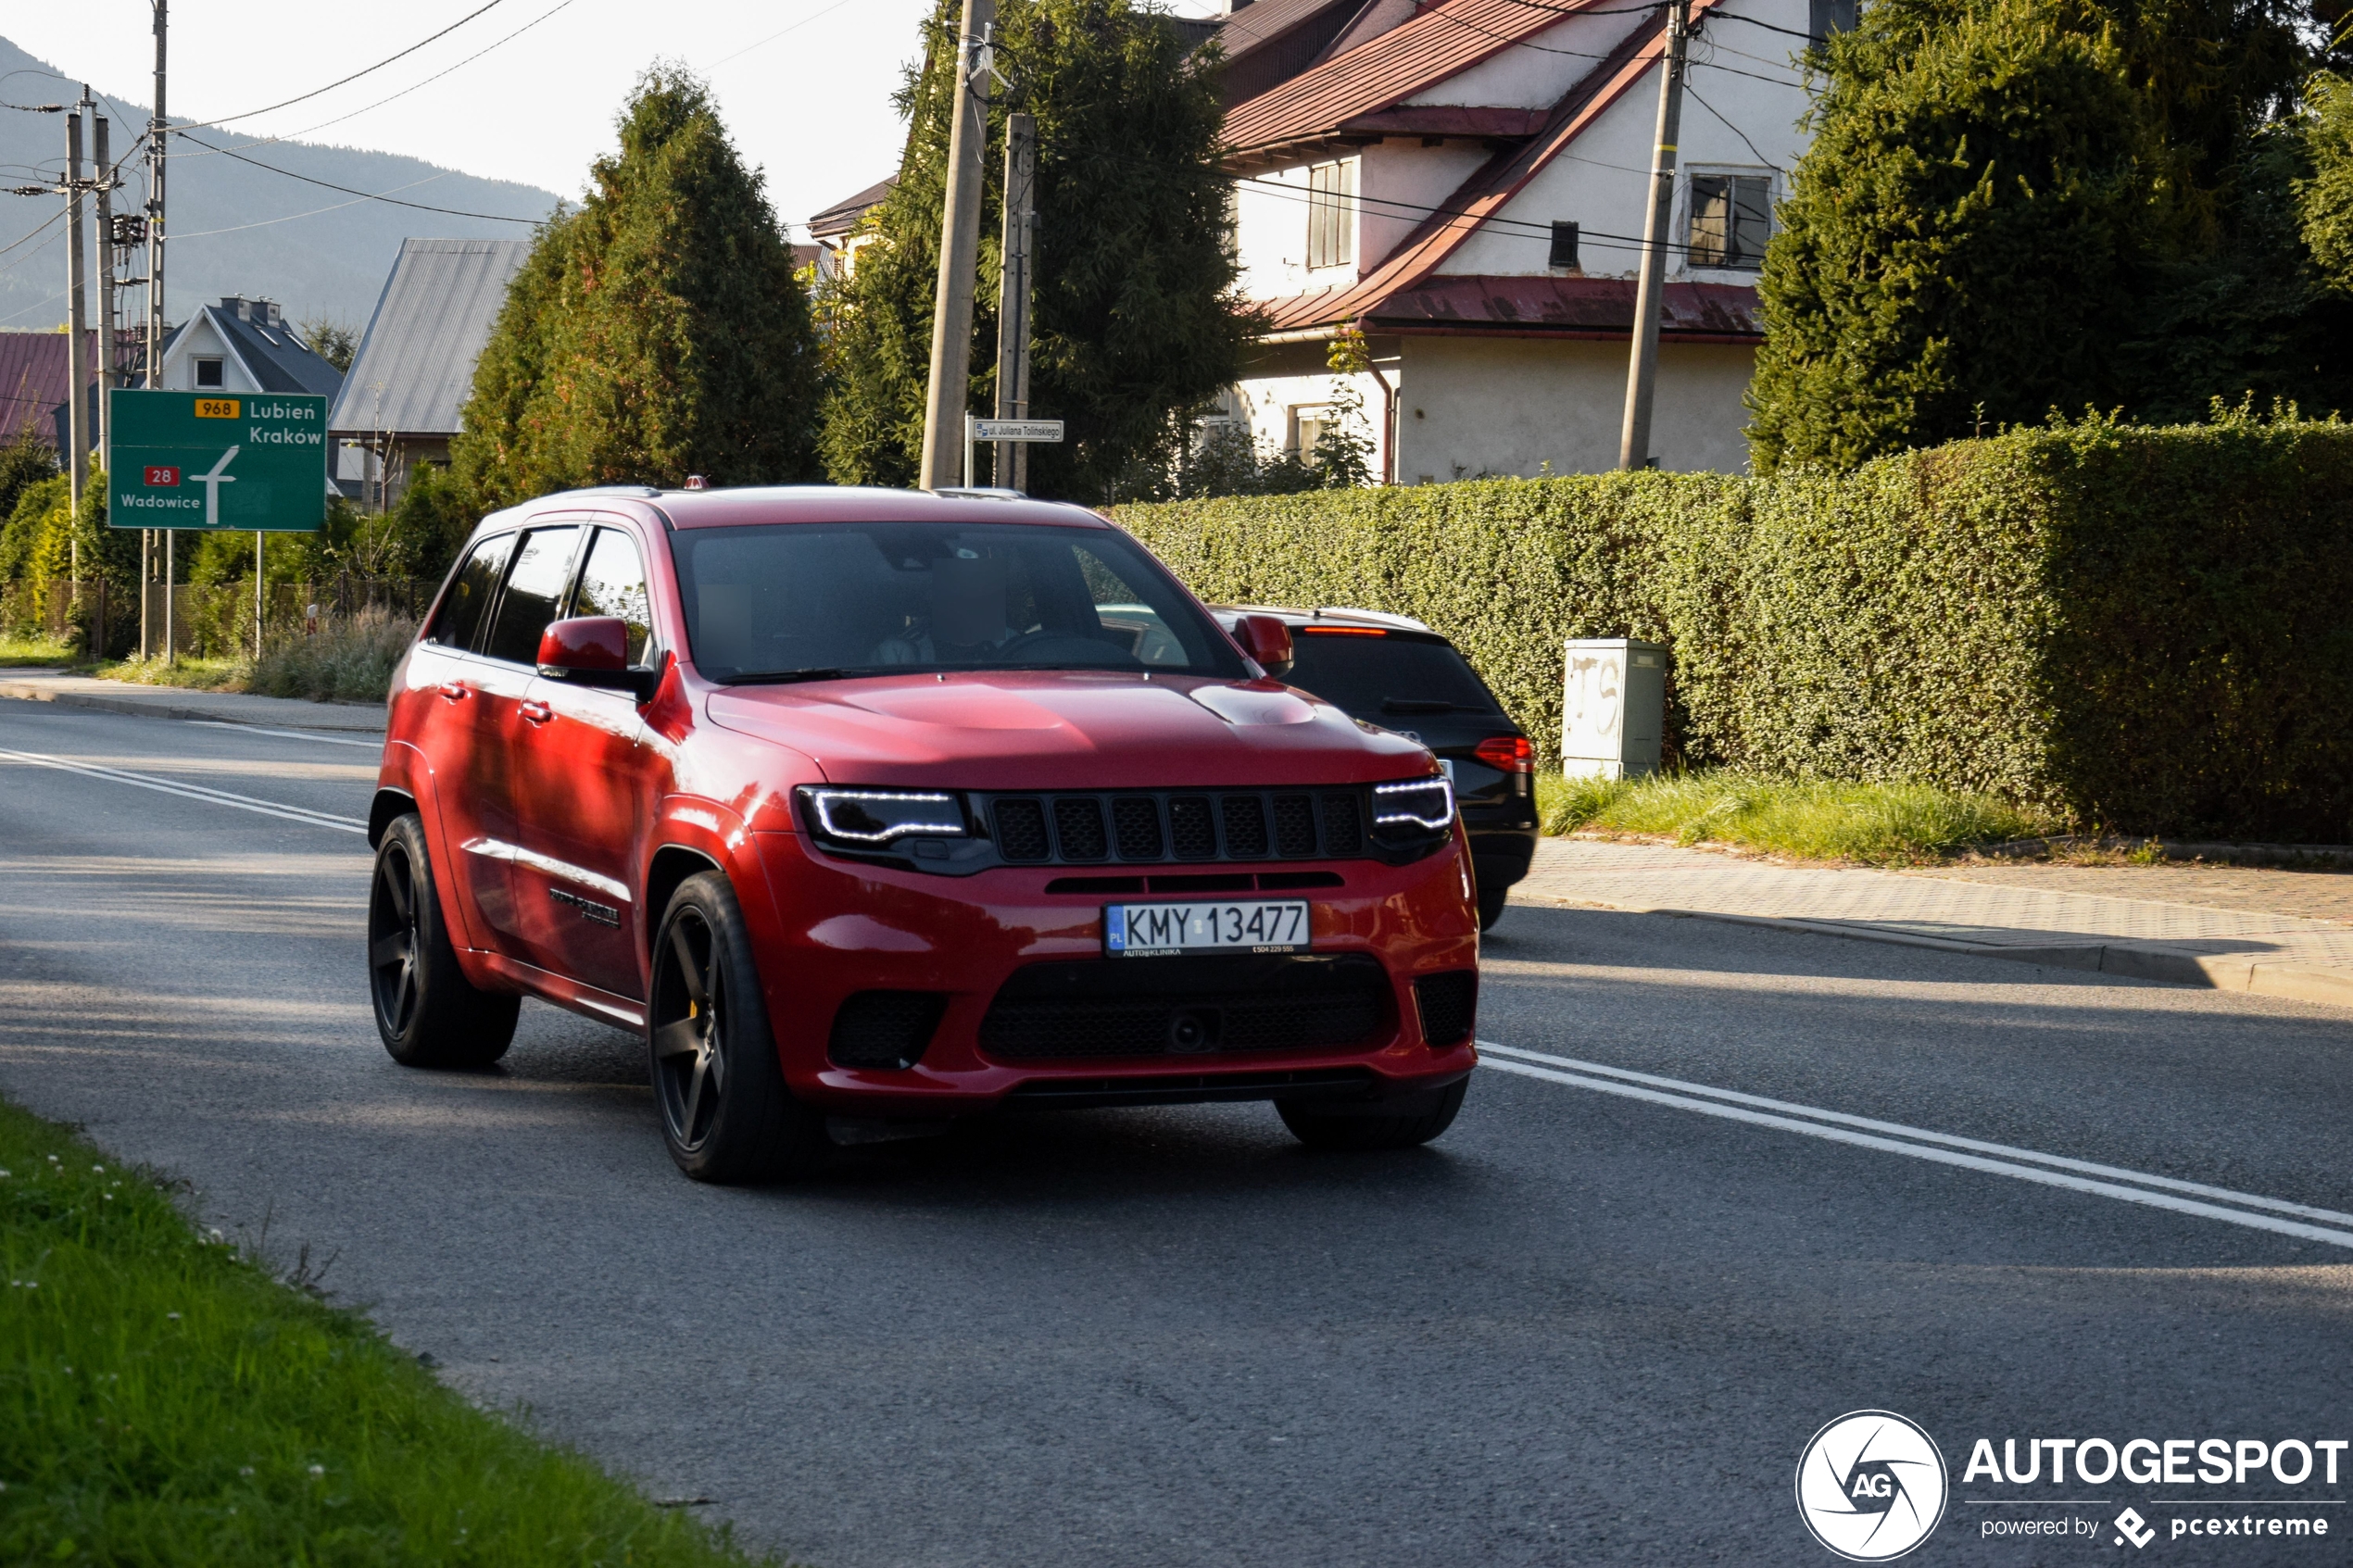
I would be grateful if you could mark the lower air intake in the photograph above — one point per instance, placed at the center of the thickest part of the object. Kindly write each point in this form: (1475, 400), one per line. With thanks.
(885, 1029)
(1189, 1006)
(1449, 1005)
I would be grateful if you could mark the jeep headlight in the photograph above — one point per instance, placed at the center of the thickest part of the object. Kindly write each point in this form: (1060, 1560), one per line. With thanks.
(876, 818)
(1416, 809)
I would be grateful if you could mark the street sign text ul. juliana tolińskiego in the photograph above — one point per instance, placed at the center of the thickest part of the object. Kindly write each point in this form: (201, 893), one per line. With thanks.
(254, 461)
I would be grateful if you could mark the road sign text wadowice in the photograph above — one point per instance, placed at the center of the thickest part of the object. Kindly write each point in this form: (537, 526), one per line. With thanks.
(251, 461)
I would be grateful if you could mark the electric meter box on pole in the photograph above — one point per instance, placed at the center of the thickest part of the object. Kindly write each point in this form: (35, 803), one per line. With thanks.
(256, 462)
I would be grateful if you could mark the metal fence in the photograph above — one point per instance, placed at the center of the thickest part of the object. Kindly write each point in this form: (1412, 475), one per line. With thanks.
(206, 621)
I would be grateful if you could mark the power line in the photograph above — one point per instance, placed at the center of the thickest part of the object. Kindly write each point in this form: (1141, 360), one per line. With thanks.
(364, 195)
(804, 21)
(270, 141)
(201, 124)
(1726, 124)
(338, 207)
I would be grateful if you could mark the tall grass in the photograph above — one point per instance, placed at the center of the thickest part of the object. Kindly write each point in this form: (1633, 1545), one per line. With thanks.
(164, 1400)
(1879, 824)
(347, 661)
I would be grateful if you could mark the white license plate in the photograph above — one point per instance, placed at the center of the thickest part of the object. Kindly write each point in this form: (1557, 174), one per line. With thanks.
(1225, 925)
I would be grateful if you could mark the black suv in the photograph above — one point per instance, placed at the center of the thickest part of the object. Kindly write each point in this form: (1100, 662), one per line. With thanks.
(1396, 672)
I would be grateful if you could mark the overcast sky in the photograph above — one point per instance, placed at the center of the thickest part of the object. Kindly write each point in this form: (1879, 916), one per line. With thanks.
(804, 84)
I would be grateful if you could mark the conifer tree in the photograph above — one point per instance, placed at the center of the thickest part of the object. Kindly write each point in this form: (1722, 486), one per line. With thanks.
(657, 331)
(1135, 318)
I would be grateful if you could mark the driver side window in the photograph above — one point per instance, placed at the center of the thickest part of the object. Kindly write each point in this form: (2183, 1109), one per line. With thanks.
(534, 587)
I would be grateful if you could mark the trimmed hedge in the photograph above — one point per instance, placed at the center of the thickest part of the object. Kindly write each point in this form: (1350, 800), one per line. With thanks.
(2146, 629)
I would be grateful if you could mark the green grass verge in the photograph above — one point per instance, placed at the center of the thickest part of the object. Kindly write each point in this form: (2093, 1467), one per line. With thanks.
(348, 661)
(1880, 824)
(165, 1401)
(196, 674)
(35, 653)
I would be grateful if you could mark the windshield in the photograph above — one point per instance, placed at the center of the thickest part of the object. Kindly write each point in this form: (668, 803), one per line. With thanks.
(812, 601)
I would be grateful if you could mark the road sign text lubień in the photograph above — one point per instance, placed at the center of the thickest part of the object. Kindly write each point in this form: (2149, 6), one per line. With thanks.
(256, 462)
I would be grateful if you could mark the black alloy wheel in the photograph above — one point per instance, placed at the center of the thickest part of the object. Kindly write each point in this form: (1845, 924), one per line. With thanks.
(427, 1013)
(727, 1114)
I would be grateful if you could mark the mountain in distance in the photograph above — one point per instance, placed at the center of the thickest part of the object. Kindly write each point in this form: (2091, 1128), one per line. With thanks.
(233, 229)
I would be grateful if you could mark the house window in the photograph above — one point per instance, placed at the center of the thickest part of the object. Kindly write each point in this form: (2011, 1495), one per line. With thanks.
(208, 372)
(1331, 212)
(1308, 428)
(1563, 251)
(1731, 219)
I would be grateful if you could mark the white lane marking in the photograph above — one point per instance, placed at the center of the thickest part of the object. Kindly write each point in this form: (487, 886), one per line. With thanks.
(288, 734)
(2008, 1152)
(193, 792)
(1930, 1152)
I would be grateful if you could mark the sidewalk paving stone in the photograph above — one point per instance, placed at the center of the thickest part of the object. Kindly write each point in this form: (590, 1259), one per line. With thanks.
(2069, 922)
(181, 702)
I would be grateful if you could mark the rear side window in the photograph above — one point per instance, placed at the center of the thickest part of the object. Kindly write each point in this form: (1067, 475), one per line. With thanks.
(1385, 677)
(534, 587)
(613, 583)
(460, 616)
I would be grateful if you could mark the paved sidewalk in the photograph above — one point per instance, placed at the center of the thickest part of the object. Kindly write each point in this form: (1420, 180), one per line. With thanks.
(2056, 922)
(179, 702)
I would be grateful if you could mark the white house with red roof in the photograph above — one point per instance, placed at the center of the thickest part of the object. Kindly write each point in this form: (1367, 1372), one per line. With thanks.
(1465, 182)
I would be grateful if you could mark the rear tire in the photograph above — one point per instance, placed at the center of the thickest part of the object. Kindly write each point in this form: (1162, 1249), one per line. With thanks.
(427, 1011)
(1319, 1127)
(726, 1115)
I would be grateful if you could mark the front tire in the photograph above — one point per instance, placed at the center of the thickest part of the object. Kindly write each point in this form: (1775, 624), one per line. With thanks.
(726, 1115)
(1491, 903)
(427, 1011)
(1409, 1126)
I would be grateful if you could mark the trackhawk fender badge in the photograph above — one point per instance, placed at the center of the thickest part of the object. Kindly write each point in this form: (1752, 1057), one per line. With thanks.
(601, 914)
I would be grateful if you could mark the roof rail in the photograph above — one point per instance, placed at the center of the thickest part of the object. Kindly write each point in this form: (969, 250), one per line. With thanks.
(980, 493)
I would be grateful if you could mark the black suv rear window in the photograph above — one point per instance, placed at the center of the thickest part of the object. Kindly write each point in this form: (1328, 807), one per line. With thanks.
(1378, 677)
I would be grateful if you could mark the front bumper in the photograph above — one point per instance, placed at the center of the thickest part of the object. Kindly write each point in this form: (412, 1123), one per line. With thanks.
(829, 930)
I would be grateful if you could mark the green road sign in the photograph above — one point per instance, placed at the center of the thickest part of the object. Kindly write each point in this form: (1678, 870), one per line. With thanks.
(253, 461)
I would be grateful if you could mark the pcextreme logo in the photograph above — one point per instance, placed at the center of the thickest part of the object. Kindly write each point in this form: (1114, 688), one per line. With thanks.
(1872, 1486)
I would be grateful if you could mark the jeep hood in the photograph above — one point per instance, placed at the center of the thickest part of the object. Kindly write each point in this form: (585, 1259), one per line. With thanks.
(1066, 730)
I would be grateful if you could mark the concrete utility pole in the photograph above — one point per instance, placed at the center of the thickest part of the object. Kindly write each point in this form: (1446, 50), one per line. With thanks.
(1014, 288)
(952, 322)
(1641, 375)
(77, 324)
(103, 189)
(155, 338)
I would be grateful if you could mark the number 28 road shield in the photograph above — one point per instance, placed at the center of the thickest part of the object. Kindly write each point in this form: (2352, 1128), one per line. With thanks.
(250, 462)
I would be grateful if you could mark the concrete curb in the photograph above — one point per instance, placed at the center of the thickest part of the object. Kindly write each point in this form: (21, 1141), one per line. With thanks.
(356, 720)
(2132, 960)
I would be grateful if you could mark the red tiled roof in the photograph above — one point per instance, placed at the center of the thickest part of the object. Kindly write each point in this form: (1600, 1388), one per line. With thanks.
(1570, 306)
(1449, 37)
(1480, 197)
(1447, 120)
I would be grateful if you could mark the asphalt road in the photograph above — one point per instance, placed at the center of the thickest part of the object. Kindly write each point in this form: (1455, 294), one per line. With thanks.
(1582, 1329)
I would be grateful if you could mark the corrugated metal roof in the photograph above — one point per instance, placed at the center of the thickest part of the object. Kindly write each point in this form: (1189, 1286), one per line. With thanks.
(416, 365)
(1446, 39)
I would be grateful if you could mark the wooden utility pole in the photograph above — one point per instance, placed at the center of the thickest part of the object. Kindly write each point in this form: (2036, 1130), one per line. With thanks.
(77, 325)
(952, 322)
(1014, 289)
(1642, 374)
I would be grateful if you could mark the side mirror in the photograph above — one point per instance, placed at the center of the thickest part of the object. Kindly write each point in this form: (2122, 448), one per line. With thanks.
(1267, 640)
(593, 650)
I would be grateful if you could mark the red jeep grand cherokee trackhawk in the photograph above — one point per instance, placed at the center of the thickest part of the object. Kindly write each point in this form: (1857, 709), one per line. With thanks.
(874, 806)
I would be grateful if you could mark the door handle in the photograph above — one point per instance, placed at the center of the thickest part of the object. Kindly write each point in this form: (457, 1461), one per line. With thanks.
(536, 712)
(454, 691)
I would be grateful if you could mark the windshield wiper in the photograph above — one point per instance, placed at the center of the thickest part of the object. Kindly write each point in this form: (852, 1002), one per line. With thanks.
(786, 677)
(1417, 705)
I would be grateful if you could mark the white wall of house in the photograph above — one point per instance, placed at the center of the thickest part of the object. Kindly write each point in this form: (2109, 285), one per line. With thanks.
(1485, 406)
(1531, 76)
(1398, 180)
(1291, 384)
(199, 339)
